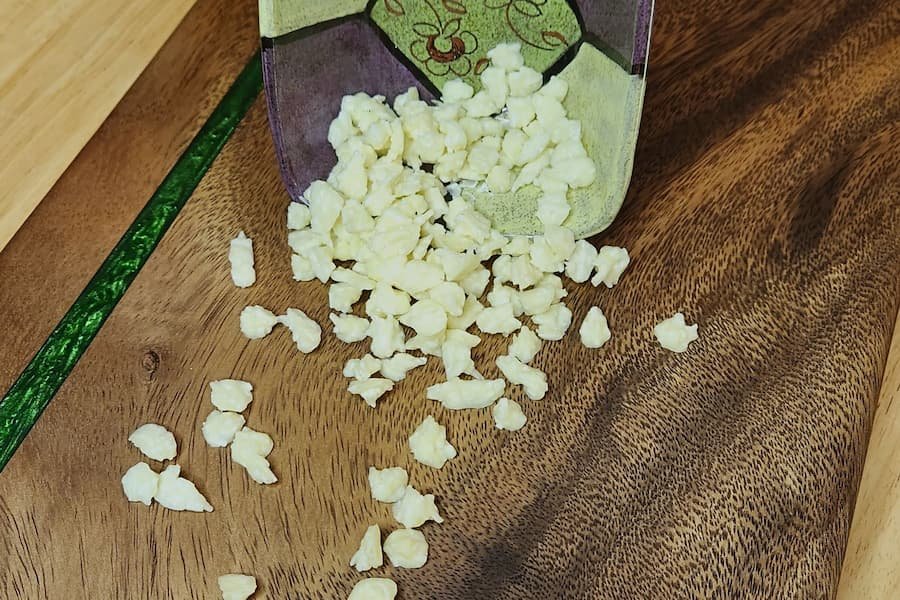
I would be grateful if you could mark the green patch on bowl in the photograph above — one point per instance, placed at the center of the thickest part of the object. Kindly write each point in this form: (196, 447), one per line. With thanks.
(278, 17)
(447, 39)
(607, 101)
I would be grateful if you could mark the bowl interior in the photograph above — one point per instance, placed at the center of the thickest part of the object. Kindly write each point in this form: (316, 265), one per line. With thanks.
(314, 53)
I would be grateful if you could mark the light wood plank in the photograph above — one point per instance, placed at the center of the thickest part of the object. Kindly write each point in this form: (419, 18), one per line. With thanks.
(872, 564)
(64, 65)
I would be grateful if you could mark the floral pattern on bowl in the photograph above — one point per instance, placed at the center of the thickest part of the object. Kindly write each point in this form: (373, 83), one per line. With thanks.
(446, 39)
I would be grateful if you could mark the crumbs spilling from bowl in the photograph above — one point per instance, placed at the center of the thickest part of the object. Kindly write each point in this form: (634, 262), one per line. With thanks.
(427, 276)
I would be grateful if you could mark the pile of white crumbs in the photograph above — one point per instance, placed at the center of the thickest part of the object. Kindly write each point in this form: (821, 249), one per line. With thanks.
(410, 243)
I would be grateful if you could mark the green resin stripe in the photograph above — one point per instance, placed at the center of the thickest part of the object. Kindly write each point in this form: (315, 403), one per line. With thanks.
(40, 380)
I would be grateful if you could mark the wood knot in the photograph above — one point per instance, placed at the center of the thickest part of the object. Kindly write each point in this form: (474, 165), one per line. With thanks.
(150, 362)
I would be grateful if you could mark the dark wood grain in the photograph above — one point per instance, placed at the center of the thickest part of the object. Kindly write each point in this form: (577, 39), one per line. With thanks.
(765, 204)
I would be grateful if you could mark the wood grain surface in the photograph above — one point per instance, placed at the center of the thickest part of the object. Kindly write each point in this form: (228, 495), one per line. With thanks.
(65, 64)
(765, 205)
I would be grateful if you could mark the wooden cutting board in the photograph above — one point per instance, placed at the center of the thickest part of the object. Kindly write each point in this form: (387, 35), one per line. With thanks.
(765, 205)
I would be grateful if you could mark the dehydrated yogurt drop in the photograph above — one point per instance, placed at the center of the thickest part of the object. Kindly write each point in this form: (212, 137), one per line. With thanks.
(231, 395)
(374, 588)
(429, 444)
(467, 393)
(257, 322)
(532, 380)
(235, 586)
(674, 334)
(388, 485)
(219, 428)
(305, 332)
(415, 508)
(594, 330)
(250, 449)
(508, 415)
(140, 483)
(369, 554)
(406, 548)
(155, 441)
(177, 493)
(240, 255)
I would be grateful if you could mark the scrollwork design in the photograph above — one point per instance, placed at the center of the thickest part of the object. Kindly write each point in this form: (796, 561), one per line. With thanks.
(518, 14)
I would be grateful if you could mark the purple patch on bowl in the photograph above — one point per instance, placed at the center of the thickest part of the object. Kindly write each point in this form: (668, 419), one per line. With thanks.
(307, 73)
(620, 27)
